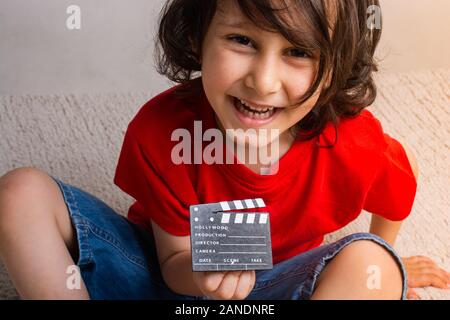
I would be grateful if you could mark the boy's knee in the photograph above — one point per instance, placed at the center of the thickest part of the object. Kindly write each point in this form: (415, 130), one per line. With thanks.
(18, 187)
(20, 180)
(382, 272)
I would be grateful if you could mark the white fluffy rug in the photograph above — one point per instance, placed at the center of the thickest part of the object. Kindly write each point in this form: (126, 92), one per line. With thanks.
(77, 138)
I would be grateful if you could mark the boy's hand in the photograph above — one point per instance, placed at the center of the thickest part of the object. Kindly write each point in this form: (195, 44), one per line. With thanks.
(424, 272)
(230, 285)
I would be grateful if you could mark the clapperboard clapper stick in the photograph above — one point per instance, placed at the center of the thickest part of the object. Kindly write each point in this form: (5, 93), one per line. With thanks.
(223, 237)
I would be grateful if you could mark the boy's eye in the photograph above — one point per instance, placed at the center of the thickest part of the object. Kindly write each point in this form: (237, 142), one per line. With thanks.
(240, 39)
(299, 53)
(243, 40)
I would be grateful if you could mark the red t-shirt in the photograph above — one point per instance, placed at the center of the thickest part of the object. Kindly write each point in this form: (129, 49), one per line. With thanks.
(315, 191)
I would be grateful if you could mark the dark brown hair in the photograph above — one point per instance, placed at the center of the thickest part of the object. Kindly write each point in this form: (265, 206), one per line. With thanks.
(338, 28)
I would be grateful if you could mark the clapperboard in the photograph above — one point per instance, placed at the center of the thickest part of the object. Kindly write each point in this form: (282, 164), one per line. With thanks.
(225, 238)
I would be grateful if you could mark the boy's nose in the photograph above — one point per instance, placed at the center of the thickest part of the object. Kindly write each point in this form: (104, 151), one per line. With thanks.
(264, 76)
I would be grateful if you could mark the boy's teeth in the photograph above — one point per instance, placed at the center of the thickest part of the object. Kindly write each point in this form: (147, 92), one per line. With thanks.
(255, 108)
(244, 108)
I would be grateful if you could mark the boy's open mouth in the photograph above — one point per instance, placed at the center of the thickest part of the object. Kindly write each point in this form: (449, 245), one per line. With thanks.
(254, 113)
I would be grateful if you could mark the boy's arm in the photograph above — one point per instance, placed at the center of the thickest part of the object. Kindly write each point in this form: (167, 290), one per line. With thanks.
(175, 260)
(384, 228)
(418, 275)
(387, 229)
(174, 256)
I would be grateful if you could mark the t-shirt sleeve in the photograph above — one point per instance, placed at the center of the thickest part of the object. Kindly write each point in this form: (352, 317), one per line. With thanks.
(136, 175)
(393, 189)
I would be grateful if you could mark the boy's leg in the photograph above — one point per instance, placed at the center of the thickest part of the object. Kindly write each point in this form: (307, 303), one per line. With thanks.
(347, 275)
(37, 242)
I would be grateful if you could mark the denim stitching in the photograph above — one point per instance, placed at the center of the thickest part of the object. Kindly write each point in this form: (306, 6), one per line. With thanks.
(101, 234)
(271, 283)
(80, 222)
(286, 274)
(83, 226)
(97, 231)
(106, 236)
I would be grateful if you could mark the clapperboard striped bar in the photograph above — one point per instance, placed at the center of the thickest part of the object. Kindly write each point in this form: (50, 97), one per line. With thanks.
(231, 205)
(224, 237)
(242, 204)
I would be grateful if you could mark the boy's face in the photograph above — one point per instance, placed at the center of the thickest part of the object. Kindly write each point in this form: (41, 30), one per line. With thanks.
(256, 66)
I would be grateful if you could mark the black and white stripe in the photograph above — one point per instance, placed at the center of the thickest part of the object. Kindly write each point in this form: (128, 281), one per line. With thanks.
(244, 218)
(242, 204)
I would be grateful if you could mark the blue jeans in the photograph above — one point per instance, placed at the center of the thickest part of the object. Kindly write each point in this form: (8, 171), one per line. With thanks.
(118, 260)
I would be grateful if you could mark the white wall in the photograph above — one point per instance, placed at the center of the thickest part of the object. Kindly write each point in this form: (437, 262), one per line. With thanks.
(113, 50)
(416, 34)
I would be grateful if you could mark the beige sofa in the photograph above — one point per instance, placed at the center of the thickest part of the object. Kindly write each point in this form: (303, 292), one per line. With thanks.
(77, 138)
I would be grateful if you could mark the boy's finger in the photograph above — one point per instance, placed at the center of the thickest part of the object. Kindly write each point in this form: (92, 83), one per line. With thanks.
(427, 280)
(244, 286)
(427, 276)
(412, 295)
(252, 280)
(442, 274)
(213, 280)
(228, 286)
